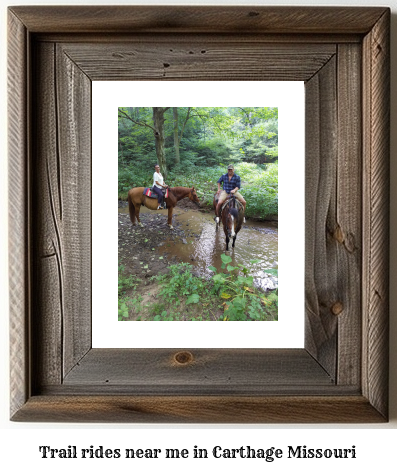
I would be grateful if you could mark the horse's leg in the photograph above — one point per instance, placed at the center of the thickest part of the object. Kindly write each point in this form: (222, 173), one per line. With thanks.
(137, 209)
(227, 243)
(217, 210)
(131, 209)
(169, 222)
(234, 240)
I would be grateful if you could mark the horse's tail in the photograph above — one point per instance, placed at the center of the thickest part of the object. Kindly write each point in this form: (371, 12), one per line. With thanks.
(131, 209)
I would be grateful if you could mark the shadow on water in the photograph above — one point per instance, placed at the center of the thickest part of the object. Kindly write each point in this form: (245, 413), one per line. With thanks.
(204, 245)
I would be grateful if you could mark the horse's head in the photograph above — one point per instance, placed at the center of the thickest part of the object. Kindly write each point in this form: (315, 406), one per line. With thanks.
(193, 196)
(231, 222)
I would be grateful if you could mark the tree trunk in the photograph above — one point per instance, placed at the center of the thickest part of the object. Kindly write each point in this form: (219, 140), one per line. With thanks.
(176, 136)
(158, 121)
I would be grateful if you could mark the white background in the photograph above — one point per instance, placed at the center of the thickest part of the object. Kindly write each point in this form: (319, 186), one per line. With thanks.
(375, 444)
(288, 332)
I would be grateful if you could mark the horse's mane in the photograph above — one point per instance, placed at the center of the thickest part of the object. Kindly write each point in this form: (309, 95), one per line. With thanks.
(233, 212)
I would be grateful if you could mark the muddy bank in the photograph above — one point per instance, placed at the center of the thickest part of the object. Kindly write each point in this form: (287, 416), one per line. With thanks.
(139, 246)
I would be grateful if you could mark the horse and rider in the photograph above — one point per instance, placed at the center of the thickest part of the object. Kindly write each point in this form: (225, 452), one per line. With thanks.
(141, 196)
(229, 205)
(231, 184)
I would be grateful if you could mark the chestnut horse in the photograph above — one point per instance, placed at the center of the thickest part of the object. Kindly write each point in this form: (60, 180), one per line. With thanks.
(232, 218)
(136, 199)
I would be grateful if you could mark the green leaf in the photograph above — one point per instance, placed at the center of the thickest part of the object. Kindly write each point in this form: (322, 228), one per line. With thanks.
(157, 318)
(219, 277)
(193, 299)
(245, 280)
(272, 271)
(212, 269)
(225, 258)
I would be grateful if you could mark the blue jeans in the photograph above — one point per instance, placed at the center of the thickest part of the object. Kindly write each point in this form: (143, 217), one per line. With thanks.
(159, 193)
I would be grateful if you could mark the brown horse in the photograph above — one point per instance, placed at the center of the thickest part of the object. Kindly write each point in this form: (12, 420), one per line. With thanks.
(232, 218)
(136, 199)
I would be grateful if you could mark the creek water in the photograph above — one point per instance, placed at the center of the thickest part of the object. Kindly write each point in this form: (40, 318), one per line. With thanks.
(203, 245)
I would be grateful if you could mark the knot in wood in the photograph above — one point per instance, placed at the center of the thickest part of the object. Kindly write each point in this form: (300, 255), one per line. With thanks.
(338, 235)
(183, 358)
(337, 308)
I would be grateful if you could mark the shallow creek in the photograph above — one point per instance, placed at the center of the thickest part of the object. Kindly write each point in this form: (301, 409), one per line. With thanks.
(203, 245)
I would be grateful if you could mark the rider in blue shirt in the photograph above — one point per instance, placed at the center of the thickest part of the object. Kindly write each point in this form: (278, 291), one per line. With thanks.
(231, 184)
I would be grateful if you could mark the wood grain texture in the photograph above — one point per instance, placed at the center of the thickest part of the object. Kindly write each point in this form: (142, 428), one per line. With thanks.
(48, 242)
(376, 91)
(321, 277)
(62, 206)
(205, 60)
(199, 19)
(73, 90)
(199, 409)
(346, 228)
(19, 228)
(244, 369)
(338, 377)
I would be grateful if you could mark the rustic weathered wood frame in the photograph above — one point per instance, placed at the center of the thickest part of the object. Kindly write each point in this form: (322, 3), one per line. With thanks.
(343, 56)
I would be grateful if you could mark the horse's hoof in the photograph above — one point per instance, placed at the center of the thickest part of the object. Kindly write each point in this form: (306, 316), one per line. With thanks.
(141, 224)
(244, 220)
(171, 227)
(217, 220)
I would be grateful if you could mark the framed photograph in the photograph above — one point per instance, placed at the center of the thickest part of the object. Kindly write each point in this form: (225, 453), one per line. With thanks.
(340, 374)
(266, 144)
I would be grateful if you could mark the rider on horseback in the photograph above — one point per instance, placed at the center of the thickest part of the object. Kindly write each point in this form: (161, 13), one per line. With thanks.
(158, 184)
(231, 185)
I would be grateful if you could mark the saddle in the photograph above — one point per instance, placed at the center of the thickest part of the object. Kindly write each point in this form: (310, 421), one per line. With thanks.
(150, 193)
(237, 203)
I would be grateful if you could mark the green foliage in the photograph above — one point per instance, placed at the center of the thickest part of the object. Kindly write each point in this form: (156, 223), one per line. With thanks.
(122, 310)
(210, 139)
(242, 301)
(125, 303)
(181, 282)
(125, 282)
(184, 296)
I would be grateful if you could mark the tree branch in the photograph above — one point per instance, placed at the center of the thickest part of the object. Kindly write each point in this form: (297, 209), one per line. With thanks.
(125, 115)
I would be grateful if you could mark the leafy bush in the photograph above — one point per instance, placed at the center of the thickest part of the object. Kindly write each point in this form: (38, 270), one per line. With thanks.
(242, 301)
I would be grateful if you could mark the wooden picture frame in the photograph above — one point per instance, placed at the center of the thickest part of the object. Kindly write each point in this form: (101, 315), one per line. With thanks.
(342, 54)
